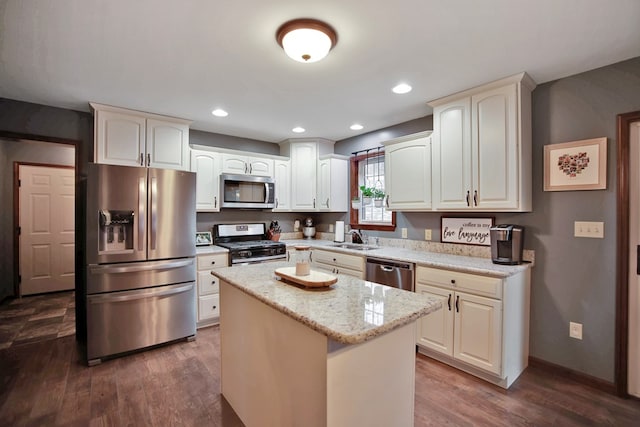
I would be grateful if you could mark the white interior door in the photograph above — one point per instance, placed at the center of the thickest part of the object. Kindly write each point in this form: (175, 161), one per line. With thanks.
(634, 278)
(47, 229)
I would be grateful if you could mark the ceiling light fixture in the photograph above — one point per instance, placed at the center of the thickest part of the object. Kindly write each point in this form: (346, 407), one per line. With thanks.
(219, 112)
(402, 88)
(306, 40)
(298, 129)
(356, 126)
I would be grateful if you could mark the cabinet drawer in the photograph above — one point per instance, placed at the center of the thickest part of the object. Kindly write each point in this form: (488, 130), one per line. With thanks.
(328, 268)
(208, 307)
(212, 261)
(207, 283)
(353, 262)
(472, 283)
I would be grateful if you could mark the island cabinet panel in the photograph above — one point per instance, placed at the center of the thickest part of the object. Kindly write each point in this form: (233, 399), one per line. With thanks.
(208, 294)
(276, 371)
(483, 327)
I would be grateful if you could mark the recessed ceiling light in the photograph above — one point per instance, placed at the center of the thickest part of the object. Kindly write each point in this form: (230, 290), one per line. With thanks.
(219, 112)
(356, 126)
(401, 88)
(298, 129)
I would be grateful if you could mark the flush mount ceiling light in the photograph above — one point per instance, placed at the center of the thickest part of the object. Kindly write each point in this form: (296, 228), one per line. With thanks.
(306, 40)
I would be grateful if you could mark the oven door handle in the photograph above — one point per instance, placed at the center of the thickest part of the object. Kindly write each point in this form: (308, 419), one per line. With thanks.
(129, 268)
(135, 295)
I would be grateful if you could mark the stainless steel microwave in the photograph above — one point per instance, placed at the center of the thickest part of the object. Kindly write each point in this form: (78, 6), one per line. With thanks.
(247, 191)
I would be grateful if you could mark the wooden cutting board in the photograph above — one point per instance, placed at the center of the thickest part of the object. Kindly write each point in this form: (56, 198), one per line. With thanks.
(316, 279)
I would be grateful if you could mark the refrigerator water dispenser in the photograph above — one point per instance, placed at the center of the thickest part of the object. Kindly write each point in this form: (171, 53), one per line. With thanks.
(116, 231)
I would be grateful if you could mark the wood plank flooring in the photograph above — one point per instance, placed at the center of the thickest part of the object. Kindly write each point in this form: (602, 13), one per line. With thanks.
(44, 384)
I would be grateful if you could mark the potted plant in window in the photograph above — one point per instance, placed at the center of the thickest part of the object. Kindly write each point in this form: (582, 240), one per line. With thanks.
(367, 194)
(378, 197)
(355, 203)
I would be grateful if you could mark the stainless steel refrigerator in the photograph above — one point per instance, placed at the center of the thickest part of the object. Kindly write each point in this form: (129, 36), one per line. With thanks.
(141, 271)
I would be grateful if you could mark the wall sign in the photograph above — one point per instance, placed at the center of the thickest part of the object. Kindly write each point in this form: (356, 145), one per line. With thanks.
(468, 231)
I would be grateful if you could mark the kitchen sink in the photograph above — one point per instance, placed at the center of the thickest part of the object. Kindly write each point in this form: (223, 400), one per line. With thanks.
(355, 246)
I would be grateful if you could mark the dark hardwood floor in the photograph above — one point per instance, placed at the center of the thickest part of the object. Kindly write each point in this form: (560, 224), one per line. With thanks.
(44, 384)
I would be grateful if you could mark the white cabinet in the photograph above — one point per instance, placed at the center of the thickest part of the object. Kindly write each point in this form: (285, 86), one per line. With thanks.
(206, 165)
(408, 172)
(304, 163)
(208, 295)
(483, 327)
(239, 164)
(482, 147)
(333, 178)
(282, 177)
(132, 138)
(338, 263)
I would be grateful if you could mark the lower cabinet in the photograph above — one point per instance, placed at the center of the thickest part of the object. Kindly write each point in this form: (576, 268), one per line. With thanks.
(483, 326)
(338, 263)
(208, 295)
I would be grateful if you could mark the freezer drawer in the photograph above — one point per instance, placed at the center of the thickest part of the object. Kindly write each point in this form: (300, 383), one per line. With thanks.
(135, 275)
(123, 321)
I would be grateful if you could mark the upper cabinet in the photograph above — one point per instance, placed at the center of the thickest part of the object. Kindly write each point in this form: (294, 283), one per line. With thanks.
(282, 177)
(407, 165)
(314, 175)
(206, 165)
(333, 178)
(132, 138)
(482, 148)
(246, 165)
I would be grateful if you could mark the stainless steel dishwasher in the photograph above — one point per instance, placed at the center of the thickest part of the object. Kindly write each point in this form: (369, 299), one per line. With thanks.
(391, 273)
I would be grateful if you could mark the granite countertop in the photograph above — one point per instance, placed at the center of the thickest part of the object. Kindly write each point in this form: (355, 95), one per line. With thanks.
(210, 250)
(465, 264)
(351, 311)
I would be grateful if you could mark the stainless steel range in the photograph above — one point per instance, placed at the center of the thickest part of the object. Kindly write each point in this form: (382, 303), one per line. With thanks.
(248, 243)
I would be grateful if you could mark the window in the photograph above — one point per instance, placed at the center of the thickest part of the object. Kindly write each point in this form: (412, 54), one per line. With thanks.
(367, 169)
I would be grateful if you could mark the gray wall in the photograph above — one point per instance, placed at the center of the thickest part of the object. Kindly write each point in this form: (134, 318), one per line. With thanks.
(21, 151)
(197, 137)
(574, 278)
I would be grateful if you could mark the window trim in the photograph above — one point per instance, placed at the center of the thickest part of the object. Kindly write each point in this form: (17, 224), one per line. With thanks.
(355, 192)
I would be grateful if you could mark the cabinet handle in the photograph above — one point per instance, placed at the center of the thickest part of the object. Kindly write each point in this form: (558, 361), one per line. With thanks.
(311, 256)
(387, 200)
(475, 198)
(468, 198)
(148, 159)
(328, 203)
(449, 302)
(250, 169)
(314, 203)
(215, 202)
(141, 159)
(276, 202)
(457, 307)
(288, 256)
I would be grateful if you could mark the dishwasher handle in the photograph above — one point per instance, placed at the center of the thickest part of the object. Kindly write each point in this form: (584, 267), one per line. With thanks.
(390, 264)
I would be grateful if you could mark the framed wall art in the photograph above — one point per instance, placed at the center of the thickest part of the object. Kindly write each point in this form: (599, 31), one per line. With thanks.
(577, 165)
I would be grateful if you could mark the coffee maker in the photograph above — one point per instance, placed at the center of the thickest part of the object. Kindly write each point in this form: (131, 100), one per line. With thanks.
(506, 244)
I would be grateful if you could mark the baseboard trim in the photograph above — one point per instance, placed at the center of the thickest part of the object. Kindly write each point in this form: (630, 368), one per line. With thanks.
(571, 374)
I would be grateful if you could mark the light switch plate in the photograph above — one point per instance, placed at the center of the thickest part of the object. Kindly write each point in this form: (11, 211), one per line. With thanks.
(575, 330)
(404, 233)
(593, 230)
(330, 228)
(427, 234)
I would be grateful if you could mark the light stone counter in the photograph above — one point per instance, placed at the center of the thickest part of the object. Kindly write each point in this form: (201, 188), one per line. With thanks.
(351, 311)
(465, 264)
(210, 250)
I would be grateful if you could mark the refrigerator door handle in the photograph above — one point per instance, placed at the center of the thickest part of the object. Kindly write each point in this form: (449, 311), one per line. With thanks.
(135, 295)
(154, 211)
(142, 214)
(133, 268)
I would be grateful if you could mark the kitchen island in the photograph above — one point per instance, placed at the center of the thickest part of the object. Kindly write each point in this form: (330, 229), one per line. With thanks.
(337, 356)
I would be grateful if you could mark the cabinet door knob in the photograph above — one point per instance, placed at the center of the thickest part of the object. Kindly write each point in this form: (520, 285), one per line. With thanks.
(334, 260)
(213, 262)
(453, 281)
(214, 307)
(213, 282)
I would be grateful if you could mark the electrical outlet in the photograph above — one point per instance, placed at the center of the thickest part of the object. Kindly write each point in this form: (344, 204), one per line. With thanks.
(404, 233)
(330, 228)
(427, 234)
(575, 330)
(594, 230)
